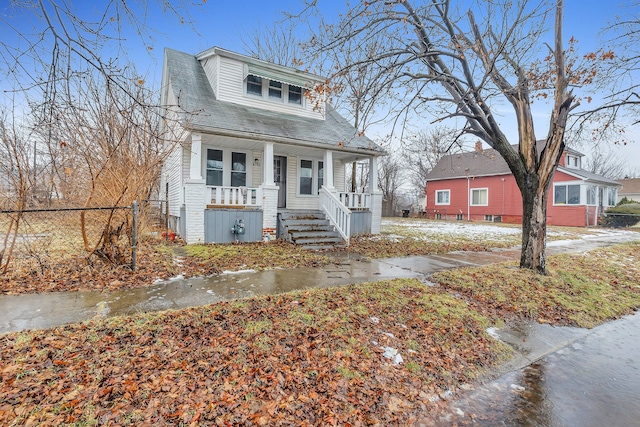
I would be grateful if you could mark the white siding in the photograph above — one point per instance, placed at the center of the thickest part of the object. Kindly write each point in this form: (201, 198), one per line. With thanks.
(173, 168)
(338, 175)
(231, 89)
(293, 200)
(210, 66)
(256, 179)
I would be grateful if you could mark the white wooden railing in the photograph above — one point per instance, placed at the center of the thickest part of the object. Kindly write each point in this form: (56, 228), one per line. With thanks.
(236, 196)
(339, 215)
(356, 200)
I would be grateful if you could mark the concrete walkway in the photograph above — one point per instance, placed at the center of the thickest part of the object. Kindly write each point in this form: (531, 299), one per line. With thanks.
(36, 311)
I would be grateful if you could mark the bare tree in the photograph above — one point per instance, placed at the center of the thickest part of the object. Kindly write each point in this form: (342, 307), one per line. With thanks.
(423, 150)
(457, 65)
(603, 161)
(389, 181)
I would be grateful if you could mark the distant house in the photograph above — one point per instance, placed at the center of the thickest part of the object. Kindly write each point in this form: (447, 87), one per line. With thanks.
(256, 150)
(630, 188)
(478, 186)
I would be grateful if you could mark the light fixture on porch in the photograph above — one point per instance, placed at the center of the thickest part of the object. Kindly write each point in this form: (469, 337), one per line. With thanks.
(256, 162)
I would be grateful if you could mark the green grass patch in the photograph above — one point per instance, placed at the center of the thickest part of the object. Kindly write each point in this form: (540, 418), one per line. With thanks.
(580, 289)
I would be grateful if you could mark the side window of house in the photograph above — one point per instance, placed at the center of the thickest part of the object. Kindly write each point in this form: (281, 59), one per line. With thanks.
(479, 197)
(254, 85)
(306, 176)
(566, 194)
(442, 197)
(295, 95)
(591, 194)
(214, 167)
(238, 169)
(612, 196)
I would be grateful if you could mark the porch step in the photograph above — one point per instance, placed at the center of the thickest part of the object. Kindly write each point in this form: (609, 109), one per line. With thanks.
(309, 229)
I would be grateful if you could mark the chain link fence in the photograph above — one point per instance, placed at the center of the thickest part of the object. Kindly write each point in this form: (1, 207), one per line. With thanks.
(33, 239)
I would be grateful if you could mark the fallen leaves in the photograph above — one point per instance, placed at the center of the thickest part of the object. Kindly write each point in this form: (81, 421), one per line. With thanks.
(305, 358)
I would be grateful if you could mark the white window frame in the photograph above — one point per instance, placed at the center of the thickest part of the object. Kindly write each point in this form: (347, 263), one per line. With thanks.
(314, 176)
(301, 103)
(485, 189)
(448, 193)
(246, 86)
(612, 196)
(226, 164)
(592, 192)
(567, 185)
(276, 90)
(266, 88)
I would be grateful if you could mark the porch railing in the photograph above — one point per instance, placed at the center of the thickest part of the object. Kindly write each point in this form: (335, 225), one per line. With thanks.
(356, 200)
(339, 215)
(236, 196)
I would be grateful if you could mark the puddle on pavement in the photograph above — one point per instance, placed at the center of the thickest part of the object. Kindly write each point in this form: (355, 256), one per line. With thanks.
(592, 382)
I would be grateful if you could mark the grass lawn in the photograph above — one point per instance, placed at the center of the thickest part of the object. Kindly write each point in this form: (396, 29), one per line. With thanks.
(305, 358)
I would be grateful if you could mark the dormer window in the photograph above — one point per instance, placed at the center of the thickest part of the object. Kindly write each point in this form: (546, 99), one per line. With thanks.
(254, 85)
(573, 162)
(295, 95)
(275, 89)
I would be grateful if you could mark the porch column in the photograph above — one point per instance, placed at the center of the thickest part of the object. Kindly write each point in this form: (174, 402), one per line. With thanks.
(373, 175)
(328, 169)
(376, 196)
(267, 167)
(195, 164)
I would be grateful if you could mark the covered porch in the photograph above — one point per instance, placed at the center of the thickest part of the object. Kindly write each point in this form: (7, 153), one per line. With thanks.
(235, 180)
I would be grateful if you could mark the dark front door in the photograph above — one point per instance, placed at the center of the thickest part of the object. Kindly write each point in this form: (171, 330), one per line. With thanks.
(280, 179)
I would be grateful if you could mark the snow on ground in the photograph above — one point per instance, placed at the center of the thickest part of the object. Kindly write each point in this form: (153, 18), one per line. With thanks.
(452, 228)
(436, 229)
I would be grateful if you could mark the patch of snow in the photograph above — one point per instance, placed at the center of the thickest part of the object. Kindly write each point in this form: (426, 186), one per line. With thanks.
(453, 228)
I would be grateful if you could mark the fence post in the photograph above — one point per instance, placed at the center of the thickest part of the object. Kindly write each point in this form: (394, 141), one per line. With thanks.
(134, 235)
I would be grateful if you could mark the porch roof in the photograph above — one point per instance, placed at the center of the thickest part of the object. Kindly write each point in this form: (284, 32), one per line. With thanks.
(202, 112)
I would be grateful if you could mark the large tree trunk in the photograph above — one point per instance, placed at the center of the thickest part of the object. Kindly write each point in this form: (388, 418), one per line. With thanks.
(534, 225)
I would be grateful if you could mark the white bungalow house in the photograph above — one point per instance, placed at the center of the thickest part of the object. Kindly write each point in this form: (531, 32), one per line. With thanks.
(258, 155)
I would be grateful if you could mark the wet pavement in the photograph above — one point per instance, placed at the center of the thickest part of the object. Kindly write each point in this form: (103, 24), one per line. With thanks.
(590, 378)
(37, 311)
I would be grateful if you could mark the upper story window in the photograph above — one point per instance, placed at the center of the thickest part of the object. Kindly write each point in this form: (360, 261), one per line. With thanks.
(275, 89)
(254, 85)
(573, 162)
(295, 95)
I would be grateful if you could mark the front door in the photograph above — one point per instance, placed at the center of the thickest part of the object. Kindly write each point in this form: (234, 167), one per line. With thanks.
(280, 179)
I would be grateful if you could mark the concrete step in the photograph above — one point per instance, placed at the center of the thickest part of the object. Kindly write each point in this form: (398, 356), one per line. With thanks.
(312, 233)
(317, 240)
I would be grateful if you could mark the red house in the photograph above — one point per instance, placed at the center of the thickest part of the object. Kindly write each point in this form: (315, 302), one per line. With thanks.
(478, 186)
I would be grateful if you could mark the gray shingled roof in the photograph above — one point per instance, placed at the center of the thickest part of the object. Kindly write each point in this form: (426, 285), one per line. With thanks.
(204, 113)
(629, 186)
(488, 163)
